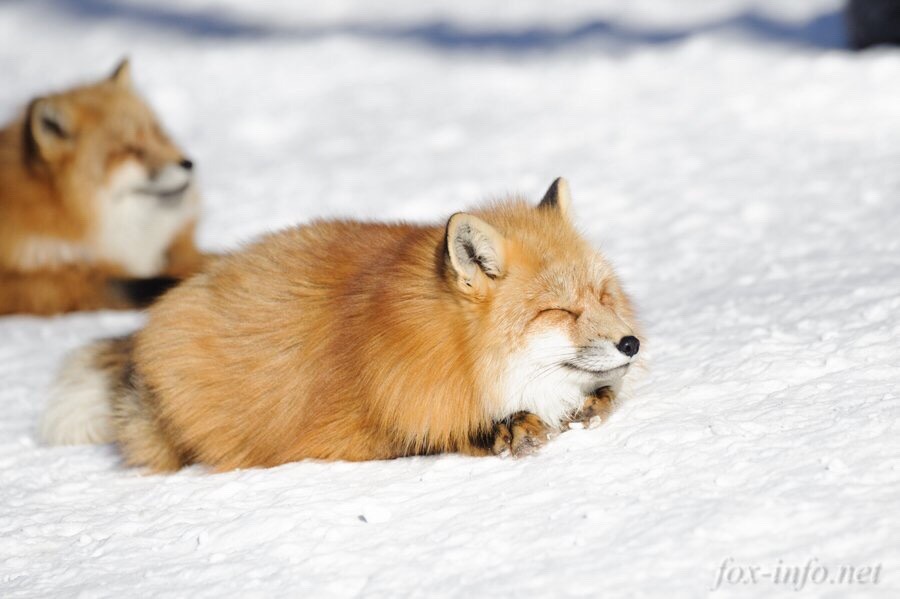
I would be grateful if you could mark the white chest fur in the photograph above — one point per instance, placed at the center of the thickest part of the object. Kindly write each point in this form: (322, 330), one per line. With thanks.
(538, 380)
(535, 381)
(136, 228)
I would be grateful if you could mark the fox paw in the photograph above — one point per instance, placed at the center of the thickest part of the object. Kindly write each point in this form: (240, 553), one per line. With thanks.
(596, 408)
(520, 434)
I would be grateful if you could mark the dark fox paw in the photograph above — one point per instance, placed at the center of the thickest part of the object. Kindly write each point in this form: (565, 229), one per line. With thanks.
(520, 434)
(596, 408)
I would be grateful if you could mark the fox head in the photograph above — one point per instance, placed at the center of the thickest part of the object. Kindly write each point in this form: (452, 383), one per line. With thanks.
(102, 139)
(544, 293)
(114, 177)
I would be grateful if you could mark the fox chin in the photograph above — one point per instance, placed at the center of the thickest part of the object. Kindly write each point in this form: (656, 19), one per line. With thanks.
(343, 340)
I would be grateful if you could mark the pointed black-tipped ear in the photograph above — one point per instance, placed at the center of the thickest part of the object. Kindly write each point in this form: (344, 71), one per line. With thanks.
(49, 131)
(476, 250)
(557, 197)
(121, 75)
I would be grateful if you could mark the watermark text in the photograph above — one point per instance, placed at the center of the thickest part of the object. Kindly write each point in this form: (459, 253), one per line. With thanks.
(794, 576)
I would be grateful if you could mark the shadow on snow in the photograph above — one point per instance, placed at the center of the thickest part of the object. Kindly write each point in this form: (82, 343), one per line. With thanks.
(826, 30)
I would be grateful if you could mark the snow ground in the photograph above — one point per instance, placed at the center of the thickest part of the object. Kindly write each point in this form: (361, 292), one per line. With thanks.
(739, 168)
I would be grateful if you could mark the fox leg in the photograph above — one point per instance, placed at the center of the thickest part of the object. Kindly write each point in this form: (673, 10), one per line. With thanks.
(519, 435)
(57, 291)
(596, 408)
(53, 292)
(523, 433)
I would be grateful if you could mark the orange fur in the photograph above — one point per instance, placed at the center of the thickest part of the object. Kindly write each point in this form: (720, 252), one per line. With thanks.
(53, 291)
(57, 160)
(360, 341)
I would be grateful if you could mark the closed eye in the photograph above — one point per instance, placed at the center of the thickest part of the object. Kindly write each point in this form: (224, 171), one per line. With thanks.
(135, 151)
(558, 310)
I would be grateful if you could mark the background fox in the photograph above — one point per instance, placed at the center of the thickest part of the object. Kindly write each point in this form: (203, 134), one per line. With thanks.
(361, 341)
(94, 198)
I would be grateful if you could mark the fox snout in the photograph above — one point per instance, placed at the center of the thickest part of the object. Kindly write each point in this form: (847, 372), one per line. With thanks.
(179, 168)
(605, 331)
(171, 180)
(604, 355)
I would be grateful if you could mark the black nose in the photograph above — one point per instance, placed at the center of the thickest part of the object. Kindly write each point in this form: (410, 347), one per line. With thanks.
(629, 345)
(186, 164)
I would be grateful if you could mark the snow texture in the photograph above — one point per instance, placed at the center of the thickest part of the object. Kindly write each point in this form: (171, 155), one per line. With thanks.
(737, 165)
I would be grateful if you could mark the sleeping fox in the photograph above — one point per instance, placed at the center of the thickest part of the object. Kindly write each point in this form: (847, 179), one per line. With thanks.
(345, 340)
(95, 199)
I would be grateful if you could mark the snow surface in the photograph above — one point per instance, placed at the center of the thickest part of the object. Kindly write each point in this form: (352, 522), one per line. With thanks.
(735, 163)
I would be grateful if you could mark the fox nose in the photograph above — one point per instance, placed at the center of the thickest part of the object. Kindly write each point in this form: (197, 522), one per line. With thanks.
(629, 345)
(186, 164)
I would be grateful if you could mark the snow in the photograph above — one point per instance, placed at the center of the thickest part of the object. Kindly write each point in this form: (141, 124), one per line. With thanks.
(737, 166)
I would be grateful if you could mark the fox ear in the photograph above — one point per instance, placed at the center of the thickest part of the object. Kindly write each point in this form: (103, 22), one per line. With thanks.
(476, 250)
(49, 130)
(557, 197)
(121, 75)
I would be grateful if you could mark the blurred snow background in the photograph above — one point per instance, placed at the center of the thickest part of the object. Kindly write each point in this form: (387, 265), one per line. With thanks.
(732, 159)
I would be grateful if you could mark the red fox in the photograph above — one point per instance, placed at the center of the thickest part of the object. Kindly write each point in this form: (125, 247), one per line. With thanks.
(345, 340)
(94, 197)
